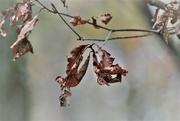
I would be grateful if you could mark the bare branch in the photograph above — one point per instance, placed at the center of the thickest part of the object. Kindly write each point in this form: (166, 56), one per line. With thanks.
(148, 32)
(56, 11)
(115, 38)
(156, 3)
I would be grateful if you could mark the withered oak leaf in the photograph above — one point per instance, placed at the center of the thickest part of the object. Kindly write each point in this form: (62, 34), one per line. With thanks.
(76, 53)
(77, 20)
(105, 18)
(161, 20)
(22, 48)
(2, 30)
(105, 69)
(172, 13)
(74, 76)
(22, 11)
(25, 29)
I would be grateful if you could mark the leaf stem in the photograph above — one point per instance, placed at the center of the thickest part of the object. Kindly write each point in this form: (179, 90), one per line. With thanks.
(107, 38)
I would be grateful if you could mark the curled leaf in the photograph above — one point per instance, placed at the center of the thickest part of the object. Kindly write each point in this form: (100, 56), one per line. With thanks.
(2, 30)
(78, 21)
(105, 18)
(76, 53)
(161, 20)
(26, 29)
(22, 48)
(22, 11)
(74, 74)
(83, 69)
(105, 68)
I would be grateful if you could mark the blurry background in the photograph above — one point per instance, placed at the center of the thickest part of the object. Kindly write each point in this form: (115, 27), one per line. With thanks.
(150, 91)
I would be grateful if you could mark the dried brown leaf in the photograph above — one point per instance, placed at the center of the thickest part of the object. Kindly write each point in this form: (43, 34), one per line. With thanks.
(71, 79)
(105, 68)
(74, 74)
(22, 48)
(105, 18)
(26, 29)
(83, 69)
(101, 80)
(22, 12)
(76, 53)
(162, 19)
(77, 20)
(10, 11)
(2, 30)
(105, 58)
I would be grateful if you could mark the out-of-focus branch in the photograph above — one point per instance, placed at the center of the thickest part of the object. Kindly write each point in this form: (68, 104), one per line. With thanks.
(156, 3)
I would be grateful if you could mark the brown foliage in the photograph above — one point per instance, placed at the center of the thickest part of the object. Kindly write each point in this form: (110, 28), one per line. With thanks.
(21, 11)
(22, 48)
(173, 13)
(78, 21)
(103, 69)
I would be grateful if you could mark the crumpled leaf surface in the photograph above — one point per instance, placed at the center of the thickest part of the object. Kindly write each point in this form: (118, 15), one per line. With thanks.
(22, 48)
(22, 11)
(105, 18)
(105, 68)
(172, 12)
(25, 29)
(74, 74)
(77, 20)
(2, 30)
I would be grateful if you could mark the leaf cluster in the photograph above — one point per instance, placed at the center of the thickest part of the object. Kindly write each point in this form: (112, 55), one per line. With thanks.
(172, 13)
(103, 68)
(77, 20)
(19, 12)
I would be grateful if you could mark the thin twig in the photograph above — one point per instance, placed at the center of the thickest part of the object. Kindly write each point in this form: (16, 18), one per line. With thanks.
(55, 10)
(136, 30)
(148, 31)
(44, 6)
(115, 38)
